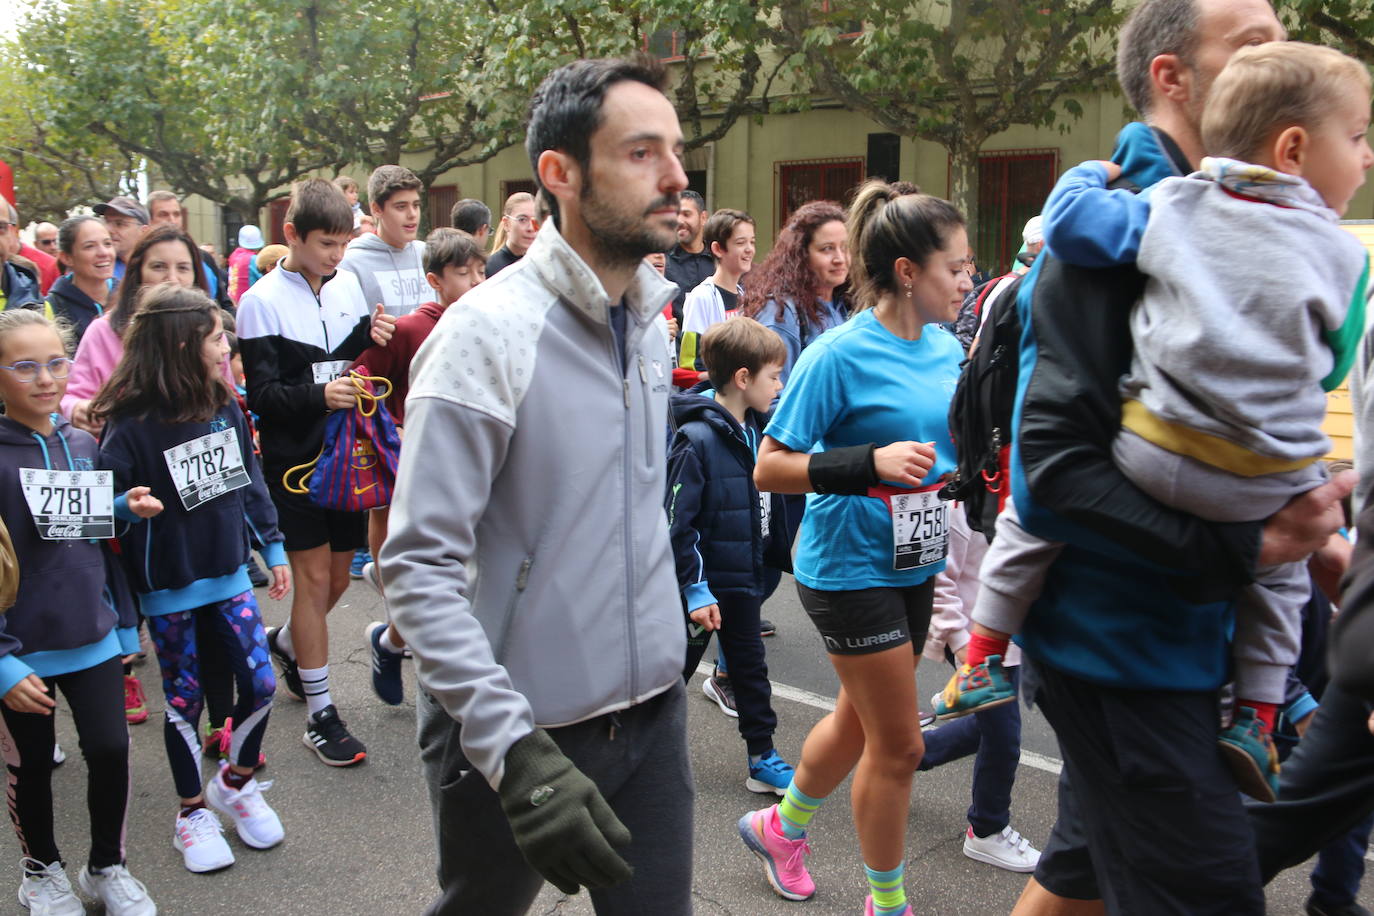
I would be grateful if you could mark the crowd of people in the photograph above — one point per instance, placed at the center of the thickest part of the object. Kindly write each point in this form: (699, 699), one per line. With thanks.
(1159, 581)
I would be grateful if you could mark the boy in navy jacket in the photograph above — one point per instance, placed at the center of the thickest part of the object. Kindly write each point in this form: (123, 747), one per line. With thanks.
(721, 526)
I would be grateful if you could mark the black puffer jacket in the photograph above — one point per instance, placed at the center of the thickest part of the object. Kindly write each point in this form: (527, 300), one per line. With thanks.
(714, 510)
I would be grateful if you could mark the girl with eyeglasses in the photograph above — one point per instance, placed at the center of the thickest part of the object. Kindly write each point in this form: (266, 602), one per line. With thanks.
(67, 629)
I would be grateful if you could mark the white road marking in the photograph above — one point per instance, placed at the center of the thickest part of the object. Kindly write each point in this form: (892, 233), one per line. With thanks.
(824, 703)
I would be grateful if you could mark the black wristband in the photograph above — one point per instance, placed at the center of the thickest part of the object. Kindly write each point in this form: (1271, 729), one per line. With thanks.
(847, 471)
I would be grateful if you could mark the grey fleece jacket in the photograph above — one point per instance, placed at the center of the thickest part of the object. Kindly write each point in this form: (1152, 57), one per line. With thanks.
(392, 277)
(528, 564)
(1250, 311)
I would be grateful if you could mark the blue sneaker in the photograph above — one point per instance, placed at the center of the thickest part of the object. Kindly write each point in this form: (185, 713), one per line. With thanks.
(361, 558)
(386, 666)
(1249, 751)
(770, 774)
(973, 688)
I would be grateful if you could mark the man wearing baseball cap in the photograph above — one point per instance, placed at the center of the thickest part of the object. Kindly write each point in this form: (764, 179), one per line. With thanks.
(127, 220)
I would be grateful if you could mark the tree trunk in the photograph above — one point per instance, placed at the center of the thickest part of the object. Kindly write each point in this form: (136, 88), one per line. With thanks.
(963, 189)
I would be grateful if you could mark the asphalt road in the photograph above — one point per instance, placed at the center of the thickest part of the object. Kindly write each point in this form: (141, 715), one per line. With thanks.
(359, 840)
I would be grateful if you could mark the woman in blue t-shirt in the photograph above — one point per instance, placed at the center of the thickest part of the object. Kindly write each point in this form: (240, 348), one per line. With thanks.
(862, 428)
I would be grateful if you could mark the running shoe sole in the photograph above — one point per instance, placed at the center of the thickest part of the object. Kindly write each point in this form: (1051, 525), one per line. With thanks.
(763, 788)
(1249, 777)
(960, 713)
(198, 870)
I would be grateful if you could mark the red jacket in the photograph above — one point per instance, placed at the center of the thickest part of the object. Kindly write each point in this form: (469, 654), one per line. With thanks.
(46, 263)
(392, 362)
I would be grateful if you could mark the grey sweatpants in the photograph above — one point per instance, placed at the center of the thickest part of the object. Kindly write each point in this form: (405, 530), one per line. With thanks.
(641, 767)
(1268, 612)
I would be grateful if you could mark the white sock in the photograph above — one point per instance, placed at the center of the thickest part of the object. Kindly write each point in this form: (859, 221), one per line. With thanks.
(315, 683)
(387, 643)
(284, 640)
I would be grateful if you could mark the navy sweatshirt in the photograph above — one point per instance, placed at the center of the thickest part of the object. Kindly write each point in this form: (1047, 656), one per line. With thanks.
(183, 559)
(714, 510)
(73, 609)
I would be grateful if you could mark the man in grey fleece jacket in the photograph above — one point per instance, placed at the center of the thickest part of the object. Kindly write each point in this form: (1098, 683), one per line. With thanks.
(528, 564)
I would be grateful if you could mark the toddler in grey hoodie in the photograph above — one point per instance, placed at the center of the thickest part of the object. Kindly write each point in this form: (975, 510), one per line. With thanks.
(1253, 308)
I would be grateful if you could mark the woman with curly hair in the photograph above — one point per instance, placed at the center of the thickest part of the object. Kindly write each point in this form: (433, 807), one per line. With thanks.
(798, 290)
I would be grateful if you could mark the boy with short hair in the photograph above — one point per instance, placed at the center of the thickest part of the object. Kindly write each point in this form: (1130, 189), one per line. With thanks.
(1253, 307)
(390, 264)
(454, 263)
(729, 237)
(299, 326)
(721, 525)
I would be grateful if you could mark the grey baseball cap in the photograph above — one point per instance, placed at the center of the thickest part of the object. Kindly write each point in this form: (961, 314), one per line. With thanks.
(124, 206)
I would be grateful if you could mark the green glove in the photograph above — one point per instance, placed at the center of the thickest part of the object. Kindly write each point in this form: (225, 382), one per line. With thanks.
(563, 826)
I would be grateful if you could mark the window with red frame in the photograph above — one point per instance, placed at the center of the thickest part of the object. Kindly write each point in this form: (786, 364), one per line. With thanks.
(665, 43)
(1012, 187)
(815, 179)
(441, 201)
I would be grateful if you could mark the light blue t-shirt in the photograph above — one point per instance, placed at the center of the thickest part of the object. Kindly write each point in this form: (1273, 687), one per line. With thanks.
(856, 384)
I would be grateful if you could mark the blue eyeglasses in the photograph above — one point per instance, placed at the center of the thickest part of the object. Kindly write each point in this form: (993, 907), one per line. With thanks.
(27, 370)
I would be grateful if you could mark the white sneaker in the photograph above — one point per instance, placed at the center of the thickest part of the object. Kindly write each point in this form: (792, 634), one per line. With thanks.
(1008, 849)
(200, 840)
(46, 891)
(59, 756)
(257, 824)
(121, 892)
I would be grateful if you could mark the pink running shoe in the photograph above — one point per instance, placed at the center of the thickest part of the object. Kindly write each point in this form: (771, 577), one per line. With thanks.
(868, 908)
(784, 860)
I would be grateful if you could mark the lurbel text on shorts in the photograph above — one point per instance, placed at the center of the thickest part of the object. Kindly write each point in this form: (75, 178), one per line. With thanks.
(877, 639)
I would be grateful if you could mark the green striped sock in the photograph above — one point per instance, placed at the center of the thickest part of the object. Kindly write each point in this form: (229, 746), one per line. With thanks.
(795, 811)
(889, 895)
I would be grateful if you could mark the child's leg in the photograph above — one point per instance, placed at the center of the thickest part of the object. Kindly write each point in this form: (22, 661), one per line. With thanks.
(319, 577)
(217, 683)
(175, 638)
(994, 767)
(236, 626)
(741, 643)
(94, 698)
(1012, 575)
(1269, 634)
(377, 521)
(27, 740)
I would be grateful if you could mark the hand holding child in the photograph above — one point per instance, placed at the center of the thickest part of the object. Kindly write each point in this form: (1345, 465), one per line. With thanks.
(143, 503)
(708, 618)
(30, 695)
(281, 583)
(383, 326)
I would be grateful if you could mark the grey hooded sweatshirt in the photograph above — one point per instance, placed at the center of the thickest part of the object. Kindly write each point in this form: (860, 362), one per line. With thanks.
(393, 277)
(528, 564)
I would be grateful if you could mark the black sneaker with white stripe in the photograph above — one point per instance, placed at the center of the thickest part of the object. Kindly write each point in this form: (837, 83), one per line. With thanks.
(328, 737)
(290, 671)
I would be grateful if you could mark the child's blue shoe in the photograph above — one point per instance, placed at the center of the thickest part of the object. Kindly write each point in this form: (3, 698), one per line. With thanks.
(770, 774)
(1249, 751)
(974, 688)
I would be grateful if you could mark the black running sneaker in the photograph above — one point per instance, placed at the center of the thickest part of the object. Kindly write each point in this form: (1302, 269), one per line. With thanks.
(328, 737)
(766, 627)
(290, 671)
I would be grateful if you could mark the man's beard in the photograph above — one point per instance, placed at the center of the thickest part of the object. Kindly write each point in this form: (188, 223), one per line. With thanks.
(621, 238)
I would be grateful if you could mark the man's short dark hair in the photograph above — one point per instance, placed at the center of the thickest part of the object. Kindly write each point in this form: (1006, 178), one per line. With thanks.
(470, 215)
(447, 247)
(387, 180)
(318, 204)
(694, 197)
(566, 108)
(1155, 27)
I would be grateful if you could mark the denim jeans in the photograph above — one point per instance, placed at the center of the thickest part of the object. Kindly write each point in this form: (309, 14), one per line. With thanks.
(995, 737)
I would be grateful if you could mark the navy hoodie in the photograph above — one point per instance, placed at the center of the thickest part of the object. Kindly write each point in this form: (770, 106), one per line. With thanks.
(714, 510)
(67, 301)
(183, 559)
(73, 610)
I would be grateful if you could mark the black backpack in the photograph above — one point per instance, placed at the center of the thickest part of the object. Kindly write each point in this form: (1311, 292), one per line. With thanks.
(980, 413)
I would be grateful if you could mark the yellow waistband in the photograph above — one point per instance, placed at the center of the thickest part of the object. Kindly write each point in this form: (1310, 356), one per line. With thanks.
(1205, 447)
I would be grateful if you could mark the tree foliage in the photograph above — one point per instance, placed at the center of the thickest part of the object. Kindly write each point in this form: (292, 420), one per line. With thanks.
(1344, 24)
(953, 72)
